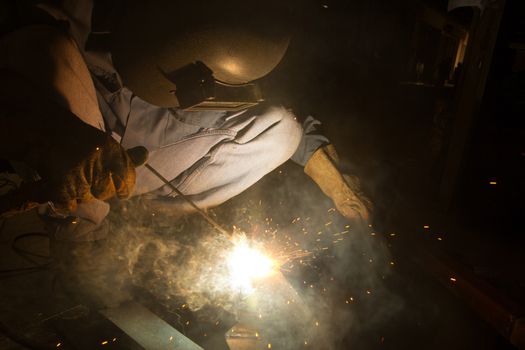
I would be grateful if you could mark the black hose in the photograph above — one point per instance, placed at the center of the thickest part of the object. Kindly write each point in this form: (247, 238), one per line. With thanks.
(21, 340)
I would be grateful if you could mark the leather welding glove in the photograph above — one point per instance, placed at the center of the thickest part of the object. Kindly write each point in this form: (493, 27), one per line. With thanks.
(344, 190)
(76, 162)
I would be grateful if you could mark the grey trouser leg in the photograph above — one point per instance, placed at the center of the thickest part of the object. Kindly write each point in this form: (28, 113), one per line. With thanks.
(229, 160)
(230, 167)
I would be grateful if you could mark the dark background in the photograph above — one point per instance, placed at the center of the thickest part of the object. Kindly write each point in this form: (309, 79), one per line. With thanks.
(426, 145)
(351, 64)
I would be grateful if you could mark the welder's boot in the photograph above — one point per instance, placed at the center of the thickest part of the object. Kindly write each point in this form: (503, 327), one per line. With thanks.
(344, 190)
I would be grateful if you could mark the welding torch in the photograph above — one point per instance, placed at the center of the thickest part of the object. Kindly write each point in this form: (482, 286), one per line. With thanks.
(31, 193)
(201, 212)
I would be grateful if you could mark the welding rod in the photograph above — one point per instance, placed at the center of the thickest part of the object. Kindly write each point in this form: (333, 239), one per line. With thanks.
(208, 218)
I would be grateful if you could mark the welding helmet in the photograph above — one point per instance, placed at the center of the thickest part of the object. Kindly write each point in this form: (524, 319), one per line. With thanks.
(197, 54)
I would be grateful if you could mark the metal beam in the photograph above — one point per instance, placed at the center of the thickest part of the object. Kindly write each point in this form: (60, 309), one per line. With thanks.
(480, 49)
(147, 329)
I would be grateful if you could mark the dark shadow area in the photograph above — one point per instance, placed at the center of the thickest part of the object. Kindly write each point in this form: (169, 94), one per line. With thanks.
(426, 107)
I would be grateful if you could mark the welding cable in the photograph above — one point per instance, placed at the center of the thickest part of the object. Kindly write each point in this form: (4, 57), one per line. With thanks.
(25, 254)
(6, 273)
(10, 273)
(21, 340)
(6, 183)
(2, 224)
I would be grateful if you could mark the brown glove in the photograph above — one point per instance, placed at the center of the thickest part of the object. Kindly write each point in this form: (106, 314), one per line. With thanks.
(344, 190)
(76, 161)
(98, 168)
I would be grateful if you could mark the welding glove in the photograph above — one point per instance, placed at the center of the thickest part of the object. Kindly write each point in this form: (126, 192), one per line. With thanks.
(75, 161)
(344, 190)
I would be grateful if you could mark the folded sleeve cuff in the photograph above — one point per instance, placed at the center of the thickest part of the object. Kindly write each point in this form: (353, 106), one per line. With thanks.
(311, 141)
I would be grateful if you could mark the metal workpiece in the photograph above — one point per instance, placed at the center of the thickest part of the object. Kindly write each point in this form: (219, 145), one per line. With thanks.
(262, 316)
(242, 337)
(147, 329)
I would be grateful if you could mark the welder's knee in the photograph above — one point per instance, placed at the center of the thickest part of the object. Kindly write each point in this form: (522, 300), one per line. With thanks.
(285, 134)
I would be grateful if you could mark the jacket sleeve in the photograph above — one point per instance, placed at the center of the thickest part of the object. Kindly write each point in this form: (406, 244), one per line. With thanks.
(86, 223)
(312, 140)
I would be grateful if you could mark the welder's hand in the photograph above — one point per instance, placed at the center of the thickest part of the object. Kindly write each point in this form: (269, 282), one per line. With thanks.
(102, 171)
(351, 202)
(344, 190)
(76, 162)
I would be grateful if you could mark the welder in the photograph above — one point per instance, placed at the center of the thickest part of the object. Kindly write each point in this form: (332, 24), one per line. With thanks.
(86, 85)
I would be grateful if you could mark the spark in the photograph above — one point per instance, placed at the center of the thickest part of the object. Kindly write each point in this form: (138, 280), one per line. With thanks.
(104, 342)
(59, 345)
(426, 227)
(247, 264)
(453, 279)
(493, 183)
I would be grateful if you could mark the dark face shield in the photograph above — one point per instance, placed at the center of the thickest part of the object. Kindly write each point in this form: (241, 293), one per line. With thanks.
(197, 90)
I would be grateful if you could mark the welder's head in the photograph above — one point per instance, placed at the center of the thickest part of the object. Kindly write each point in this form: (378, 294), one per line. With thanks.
(200, 54)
